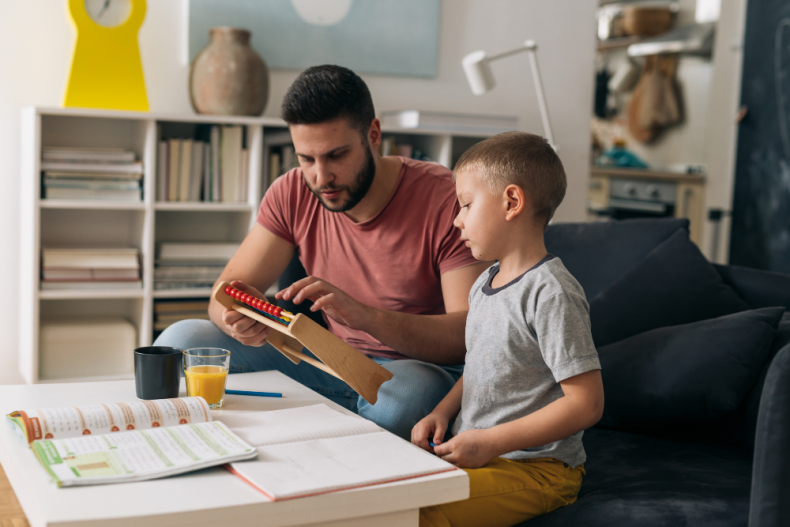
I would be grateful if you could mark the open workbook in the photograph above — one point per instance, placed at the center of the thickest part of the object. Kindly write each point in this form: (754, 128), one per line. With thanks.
(113, 443)
(314, 450)
(300, 451)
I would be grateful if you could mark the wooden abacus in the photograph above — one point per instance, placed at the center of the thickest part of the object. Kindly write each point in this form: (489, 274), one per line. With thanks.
(293, 332)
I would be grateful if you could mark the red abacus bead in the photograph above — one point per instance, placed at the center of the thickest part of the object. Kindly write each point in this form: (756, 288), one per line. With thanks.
(277, 311)
(236, 294)
(228, 290)
(259, 305)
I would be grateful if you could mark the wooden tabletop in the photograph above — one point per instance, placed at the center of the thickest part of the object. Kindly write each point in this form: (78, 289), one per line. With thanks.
(11, 514)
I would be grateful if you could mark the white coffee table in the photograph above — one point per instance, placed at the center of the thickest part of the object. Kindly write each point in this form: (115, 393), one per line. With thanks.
(209, 497)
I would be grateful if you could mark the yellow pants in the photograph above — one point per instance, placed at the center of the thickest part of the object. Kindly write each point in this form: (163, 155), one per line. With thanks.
(506, 492)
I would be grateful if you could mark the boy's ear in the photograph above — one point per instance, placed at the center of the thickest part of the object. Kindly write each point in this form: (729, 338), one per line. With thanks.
(515, 201)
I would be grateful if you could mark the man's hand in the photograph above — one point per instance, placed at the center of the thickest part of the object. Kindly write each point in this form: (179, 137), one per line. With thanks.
(246, 330)
(470, 449)
(432, 427)
(334, 302)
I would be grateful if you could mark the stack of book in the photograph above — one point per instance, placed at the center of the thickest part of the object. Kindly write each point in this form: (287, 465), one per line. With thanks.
(111, 174)
(167, 312)
(90, 269)
(191, 265)
(216, 170)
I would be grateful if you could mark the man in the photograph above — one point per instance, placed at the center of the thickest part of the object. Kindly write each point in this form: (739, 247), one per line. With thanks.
(376, 237)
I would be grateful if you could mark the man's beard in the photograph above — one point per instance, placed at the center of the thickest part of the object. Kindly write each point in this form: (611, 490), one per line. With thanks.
(358, 188)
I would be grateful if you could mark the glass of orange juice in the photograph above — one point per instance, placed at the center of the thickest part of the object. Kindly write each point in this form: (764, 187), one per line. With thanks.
(206, 370)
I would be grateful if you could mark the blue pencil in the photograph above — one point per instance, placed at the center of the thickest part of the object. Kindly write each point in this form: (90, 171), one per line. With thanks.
(256, 394)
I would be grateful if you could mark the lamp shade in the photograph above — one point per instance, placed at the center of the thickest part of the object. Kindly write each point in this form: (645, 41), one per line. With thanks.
(478, 72)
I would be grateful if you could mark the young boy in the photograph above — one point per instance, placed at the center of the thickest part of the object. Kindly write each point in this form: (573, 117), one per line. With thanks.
(532, 380)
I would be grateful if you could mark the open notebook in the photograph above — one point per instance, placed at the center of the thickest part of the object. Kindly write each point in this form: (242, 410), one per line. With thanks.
(314, 449)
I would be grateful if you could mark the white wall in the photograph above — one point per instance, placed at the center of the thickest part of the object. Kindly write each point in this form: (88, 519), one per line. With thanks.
(35, 52)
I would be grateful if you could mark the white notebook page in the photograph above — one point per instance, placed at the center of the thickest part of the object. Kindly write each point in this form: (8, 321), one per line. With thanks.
(294, 424)
(300, 469)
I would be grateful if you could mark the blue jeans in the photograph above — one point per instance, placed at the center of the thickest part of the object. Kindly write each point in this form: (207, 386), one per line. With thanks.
(413, 392)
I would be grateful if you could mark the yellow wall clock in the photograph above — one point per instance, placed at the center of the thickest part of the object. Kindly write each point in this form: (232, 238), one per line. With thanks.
(106, 71)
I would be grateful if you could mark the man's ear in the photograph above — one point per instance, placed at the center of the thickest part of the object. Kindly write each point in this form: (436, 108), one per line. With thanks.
(374, 134)
(515, 201)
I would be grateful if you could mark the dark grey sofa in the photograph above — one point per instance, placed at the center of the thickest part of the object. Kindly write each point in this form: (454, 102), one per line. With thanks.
(727, 470)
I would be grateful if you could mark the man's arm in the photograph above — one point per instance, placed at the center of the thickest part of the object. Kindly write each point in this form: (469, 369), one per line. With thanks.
(260, 260)
(438, 339)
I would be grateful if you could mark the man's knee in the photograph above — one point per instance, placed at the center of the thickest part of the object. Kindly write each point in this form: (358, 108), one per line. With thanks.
(192, 333)
(413, 392)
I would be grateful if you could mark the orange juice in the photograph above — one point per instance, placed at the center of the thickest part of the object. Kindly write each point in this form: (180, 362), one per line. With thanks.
(207, 382)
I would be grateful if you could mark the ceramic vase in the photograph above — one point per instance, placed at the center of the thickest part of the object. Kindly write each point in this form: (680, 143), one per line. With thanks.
(228, 77)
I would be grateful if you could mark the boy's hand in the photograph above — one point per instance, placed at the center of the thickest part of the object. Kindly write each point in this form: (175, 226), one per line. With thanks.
(470, 449)
(431, 428)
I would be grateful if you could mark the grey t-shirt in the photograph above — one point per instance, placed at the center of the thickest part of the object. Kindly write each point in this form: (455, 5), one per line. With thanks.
(522, 339)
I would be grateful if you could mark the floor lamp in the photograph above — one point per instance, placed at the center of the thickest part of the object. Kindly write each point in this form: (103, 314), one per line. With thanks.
(477, 67)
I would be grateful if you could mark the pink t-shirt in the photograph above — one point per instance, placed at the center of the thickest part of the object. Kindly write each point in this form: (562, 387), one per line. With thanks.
(393, 261)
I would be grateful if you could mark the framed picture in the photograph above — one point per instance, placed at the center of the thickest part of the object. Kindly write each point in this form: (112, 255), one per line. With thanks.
(385, 37)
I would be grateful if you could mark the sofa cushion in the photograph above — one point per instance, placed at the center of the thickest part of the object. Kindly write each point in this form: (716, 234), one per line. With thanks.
(597, 254)
(752, 402)
(674, 284)
(634, 480)
(685, 373)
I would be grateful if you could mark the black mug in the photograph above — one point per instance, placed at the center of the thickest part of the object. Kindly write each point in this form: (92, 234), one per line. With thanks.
(157, 372)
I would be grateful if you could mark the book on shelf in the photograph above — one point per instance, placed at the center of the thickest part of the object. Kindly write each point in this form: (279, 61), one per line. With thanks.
(184, 170)
(230, 159)
(450, 122)
(113, 268)
(274, 167)
(215, 191)
(91, 194)
(123, 442)
(196, 173)
(178, 305)
(316, 450)
(91, 184)
(91, 174)
(91, 285)
(90, 258)
(197, 251)
(213, 168)
(116, 168)
(191, 265)
(86, 155)
(79, 274)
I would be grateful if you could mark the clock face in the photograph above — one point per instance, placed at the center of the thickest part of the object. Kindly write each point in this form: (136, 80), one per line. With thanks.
(108, 13)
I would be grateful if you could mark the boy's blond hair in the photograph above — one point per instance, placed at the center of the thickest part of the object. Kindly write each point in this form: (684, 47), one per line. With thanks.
(523, 159)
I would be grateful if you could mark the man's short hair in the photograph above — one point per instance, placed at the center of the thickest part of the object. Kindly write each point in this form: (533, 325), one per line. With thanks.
(324, 93)
(519, 158)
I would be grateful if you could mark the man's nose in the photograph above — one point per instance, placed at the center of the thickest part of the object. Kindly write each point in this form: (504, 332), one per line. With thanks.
(322, 174)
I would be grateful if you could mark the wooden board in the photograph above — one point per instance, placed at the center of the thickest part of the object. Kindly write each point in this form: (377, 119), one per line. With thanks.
(335, 356)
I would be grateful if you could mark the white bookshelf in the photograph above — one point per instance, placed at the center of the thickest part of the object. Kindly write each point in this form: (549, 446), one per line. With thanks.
(74, 223)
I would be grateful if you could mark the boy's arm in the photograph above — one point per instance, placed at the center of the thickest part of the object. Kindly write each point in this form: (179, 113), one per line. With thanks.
(434, 425)
(579, 409)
